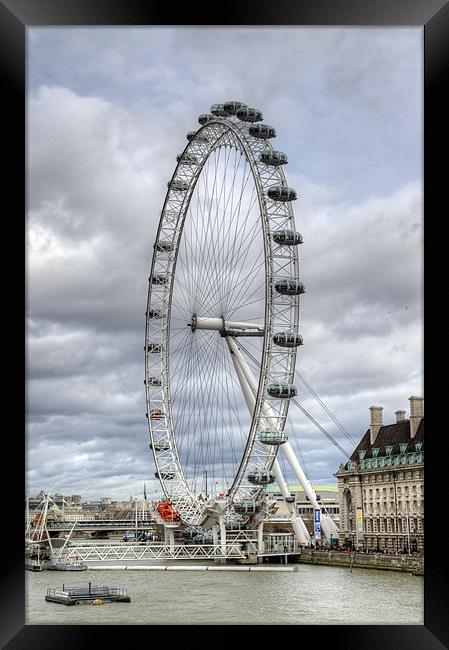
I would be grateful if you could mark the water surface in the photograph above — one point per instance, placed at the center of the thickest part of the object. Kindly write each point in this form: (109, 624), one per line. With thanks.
(312, 595)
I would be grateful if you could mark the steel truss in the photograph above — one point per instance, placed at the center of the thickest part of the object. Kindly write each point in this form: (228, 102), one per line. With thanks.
(128, 552)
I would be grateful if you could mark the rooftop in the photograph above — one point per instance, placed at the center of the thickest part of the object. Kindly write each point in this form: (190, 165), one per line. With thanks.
(299, 488)
(390, 435)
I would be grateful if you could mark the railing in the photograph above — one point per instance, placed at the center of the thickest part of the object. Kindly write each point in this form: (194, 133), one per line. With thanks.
(127, 524)
(108, 552)
(91, 590)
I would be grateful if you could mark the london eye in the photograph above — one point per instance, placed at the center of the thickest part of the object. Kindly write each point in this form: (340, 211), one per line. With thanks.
(222, 324)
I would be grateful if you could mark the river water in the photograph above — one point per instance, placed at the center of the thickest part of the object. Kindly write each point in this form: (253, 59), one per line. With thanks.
(311, 595)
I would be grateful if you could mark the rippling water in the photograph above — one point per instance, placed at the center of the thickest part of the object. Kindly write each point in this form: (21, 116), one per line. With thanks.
(312, 595)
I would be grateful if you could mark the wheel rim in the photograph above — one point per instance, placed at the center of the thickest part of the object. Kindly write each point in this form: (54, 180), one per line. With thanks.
(184, 275)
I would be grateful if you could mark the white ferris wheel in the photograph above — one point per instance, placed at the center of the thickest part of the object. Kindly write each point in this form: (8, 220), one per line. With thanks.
(222, 325)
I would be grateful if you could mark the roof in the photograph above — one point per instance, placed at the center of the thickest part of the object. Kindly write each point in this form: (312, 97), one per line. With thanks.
(299, 488)
(390, 435)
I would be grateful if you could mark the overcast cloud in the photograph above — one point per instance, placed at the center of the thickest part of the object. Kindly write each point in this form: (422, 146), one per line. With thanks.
(108, 110)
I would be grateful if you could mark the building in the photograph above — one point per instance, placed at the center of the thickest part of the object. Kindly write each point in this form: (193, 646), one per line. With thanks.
(327, 496)
(381, 487)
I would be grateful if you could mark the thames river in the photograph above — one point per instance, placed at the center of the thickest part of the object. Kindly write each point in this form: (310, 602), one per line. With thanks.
(311, 595)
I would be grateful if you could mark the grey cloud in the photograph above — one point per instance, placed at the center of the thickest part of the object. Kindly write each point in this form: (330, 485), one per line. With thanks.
(106, 118)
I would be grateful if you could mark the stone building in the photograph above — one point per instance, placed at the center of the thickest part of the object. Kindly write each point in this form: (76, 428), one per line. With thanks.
(381, 487)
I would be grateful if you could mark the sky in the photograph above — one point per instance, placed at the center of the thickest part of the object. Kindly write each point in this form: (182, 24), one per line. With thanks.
(107, 113)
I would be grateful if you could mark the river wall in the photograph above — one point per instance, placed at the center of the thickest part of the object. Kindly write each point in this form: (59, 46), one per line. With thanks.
(408, 563)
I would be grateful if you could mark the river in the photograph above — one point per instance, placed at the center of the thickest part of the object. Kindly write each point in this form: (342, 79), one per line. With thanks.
(311, 595)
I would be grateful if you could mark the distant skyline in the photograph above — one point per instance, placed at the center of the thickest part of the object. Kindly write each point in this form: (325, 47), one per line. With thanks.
(108, 110)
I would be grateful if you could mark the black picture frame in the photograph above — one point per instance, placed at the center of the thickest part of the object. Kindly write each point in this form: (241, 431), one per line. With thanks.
(433, 16)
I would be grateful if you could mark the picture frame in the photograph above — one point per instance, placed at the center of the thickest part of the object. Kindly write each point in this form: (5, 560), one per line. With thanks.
(18, 15)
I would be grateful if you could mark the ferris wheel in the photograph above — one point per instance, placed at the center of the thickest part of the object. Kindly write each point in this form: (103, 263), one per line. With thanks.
(222, 321)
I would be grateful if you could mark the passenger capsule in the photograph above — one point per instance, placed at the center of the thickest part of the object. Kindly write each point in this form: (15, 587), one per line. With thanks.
(186, 159)
(287, 237)
(218, 110)
(160, 445)
(260, 477)
(272, 437)
(246, 507)
(273, 158)
(154, 381)
(282, 391)
(165, 476)
(231, 108)
(249, 114)
(153, 347)
(188, 533)
(205, 537)
(262, 131)
(156, 414)
(154, 313)
(164, 246)
(159, 279)
(289, 287)
(287, 339)
(281, 193)
(205, 118)
(178, 186)
(290, 499)
(199, 138)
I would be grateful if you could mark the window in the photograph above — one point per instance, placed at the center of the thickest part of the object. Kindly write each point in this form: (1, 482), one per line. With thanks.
(418, 446)
(375, 452)
(388, 450)
(402, 447)
(362, 453)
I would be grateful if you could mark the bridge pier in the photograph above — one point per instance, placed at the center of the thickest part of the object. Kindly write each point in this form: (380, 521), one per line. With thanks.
(169, 537)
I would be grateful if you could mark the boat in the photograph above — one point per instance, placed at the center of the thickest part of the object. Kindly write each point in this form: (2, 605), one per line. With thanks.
(66, 566)
(87, 594)
(33, 565)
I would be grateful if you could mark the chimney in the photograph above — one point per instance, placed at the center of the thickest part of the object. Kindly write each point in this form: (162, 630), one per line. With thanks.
(416, 413)
(400, 416)
(376, 422)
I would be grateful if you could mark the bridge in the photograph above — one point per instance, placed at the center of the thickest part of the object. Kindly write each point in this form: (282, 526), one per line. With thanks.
(238, 548)
(102, 524)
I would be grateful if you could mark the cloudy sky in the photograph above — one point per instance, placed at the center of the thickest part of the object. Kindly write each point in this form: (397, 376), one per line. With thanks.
(108, 110)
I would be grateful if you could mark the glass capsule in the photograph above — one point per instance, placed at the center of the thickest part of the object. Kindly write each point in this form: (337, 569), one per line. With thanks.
(287, 237)
(288, 339)
(262, 131)
(282, 391)
(274, 158)
(289, 287)
(247, 114)
(281, 193)
(232, 107)
(272, 437)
